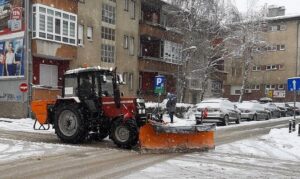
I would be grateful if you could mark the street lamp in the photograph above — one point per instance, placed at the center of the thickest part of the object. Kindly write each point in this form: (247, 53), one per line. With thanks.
(185, 63)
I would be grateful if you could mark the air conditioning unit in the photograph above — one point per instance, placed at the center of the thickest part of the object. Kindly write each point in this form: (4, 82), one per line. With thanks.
(248, 91)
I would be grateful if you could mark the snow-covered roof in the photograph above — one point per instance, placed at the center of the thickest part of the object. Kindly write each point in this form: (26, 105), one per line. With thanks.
(79, 70)
(285, 17)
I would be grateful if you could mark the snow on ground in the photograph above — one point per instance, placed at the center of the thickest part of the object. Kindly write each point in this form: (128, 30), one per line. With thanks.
(275, 155)
(15, 149)
(24, 125)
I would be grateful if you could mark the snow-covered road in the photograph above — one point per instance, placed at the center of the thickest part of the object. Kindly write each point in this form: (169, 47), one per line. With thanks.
(269, 156)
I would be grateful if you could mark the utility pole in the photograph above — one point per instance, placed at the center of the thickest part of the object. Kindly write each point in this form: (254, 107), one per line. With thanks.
(28, 57)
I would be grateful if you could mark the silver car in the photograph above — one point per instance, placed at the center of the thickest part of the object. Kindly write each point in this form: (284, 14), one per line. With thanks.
(253, 111)
(218, 111)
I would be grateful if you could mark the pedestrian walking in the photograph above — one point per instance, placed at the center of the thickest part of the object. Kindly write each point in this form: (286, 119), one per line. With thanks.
(171, 105)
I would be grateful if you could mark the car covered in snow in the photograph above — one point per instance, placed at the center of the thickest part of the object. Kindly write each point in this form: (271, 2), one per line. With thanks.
(217, 111)
(275, 112)
(285, 110)
(253, 111)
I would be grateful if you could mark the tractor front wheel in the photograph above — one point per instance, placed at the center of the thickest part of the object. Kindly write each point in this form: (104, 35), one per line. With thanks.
(124, 133)
(69, 125)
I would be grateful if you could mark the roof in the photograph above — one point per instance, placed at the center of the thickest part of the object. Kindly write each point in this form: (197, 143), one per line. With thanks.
(285, 17)
(88, 69)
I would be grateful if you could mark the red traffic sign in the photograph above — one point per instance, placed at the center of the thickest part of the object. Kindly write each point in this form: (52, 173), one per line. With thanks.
(23, 87)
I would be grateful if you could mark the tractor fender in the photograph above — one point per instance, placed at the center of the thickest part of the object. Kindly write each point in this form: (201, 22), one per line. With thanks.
(59, 102)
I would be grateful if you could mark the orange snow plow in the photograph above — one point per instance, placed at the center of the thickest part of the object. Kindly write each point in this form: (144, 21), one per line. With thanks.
(157, 138)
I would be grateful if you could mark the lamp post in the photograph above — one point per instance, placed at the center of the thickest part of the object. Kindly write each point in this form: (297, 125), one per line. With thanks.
(183, 69)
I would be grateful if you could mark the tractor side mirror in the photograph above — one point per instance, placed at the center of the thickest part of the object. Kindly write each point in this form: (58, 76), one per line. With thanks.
(120, 79)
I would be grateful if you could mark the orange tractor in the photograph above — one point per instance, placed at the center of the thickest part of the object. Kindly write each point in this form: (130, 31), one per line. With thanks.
(91, 106)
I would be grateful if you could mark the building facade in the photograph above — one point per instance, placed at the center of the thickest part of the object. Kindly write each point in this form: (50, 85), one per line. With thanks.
(270, 69)
(160, 48)
(110, 38)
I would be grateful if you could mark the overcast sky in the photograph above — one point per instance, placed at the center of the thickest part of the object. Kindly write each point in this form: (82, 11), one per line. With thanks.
(292, 6)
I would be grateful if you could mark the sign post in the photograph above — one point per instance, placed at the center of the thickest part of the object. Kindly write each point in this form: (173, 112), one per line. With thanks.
(23, 87)
(159, 86)
(294, 85)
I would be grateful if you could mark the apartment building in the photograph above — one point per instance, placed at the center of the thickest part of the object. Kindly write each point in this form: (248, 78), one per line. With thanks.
(271, 69)
(160, 47)
(108, 36)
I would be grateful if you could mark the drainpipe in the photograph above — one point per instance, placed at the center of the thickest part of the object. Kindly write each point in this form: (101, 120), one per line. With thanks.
(28, 56)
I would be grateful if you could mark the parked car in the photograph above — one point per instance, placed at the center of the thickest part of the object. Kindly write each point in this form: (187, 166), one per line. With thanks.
(218, 111)
(291, 105)
(285, 110)
(275, 112)
(252, 111)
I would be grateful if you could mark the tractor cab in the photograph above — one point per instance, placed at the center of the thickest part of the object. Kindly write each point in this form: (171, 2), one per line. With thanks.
(90, 83)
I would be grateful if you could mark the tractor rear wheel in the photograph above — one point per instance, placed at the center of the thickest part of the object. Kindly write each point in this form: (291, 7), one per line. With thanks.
(69, 125)
(124, 134)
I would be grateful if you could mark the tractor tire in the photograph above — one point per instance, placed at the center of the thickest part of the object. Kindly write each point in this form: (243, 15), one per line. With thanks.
(124, 134)
(69, 124)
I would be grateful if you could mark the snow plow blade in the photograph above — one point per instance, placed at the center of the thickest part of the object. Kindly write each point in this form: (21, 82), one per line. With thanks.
(159, 138)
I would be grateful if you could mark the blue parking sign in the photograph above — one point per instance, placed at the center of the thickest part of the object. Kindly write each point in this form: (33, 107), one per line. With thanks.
(159, 84)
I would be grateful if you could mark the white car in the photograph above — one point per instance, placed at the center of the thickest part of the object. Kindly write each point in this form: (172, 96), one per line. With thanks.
(253, 111)
(218, 111)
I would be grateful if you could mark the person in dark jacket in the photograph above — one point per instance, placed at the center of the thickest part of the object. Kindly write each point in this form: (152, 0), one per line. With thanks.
(171, 105)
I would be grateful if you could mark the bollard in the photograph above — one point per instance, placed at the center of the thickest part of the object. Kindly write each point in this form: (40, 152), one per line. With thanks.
(299, 130)
(290, 126)
(294, 125)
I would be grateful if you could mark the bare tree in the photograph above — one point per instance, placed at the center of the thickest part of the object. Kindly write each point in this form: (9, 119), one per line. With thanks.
(246, 41)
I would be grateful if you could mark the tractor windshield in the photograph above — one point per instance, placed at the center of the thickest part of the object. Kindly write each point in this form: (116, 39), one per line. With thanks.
(70, 86)
(107, 86)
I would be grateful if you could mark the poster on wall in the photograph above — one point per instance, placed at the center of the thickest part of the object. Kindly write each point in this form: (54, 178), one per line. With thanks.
(11, 16)
(11, 58)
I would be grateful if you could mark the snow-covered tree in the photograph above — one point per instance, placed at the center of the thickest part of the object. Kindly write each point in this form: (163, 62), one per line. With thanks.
(204, 24)
(245, 40)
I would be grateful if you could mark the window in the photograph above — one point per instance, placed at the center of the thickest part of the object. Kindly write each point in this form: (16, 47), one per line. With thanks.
(271, 67)
(256, 68)
(108, 33)
(80, 35)
(89, 33)
(282, 27)
(280, 67)
(281, 47)
(107, 53)
(131, 46)
(108, 14)
(131, 81)
(281, 86)
(255, 87)
(49, 77)
(54, 25)
(126, 7)
(270, 87)
(132, 9)
(126, 39)
(125, 77)
(236, 92)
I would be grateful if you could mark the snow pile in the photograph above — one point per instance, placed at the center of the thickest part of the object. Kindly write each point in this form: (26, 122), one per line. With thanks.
(278, 144)
(178, 121)
(24, 125)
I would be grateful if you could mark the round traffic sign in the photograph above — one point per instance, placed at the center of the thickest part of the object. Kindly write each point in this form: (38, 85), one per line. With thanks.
(23, 87)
